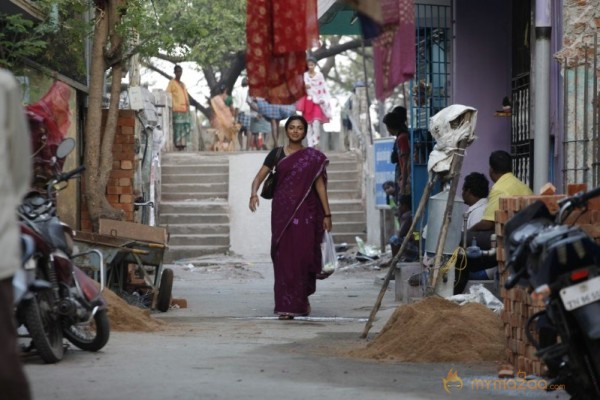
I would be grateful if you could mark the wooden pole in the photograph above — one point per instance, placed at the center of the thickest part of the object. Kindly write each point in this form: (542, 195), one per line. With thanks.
(392, 264)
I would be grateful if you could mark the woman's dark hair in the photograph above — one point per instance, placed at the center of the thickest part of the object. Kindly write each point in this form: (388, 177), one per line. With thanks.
(500, 162)
(393, 121)
(312, 59)
(477, 184)
(388, 184)
(299, 118)
(405, 200)
(401, 111)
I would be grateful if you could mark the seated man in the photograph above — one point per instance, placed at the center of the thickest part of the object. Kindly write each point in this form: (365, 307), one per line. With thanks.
(505, 184)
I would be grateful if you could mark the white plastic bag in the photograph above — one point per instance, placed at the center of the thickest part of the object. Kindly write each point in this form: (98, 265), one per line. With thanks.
(328, 253)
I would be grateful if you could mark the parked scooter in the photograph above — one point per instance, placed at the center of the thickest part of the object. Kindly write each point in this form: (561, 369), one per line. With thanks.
(560, 265)
(70, 304)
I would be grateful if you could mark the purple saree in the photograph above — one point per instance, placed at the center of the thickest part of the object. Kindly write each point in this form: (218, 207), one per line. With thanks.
(297, 230)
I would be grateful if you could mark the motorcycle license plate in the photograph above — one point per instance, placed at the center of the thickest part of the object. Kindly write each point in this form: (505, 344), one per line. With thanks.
(581, 294)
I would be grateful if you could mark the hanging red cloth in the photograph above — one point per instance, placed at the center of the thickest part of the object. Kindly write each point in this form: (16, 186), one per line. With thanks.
(277, 43)
(394, 49)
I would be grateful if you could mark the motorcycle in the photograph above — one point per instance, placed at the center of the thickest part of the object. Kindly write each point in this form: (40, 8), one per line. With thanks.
(63, 302)
(560, 265)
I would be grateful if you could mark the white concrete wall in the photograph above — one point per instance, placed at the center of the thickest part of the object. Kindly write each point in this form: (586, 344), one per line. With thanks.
(250, 233)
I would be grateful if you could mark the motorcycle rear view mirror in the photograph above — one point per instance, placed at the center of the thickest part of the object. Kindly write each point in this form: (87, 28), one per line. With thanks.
(65, 148)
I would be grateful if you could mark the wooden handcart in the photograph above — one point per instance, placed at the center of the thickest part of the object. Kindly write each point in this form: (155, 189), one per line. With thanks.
(133, 256)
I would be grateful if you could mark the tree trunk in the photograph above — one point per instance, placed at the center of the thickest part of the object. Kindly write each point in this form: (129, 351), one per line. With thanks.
(98, 144)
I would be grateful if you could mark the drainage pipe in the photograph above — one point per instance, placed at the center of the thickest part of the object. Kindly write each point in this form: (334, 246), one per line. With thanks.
(541, 139)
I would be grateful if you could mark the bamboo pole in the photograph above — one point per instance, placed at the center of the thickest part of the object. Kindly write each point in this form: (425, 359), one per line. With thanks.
(418, 214)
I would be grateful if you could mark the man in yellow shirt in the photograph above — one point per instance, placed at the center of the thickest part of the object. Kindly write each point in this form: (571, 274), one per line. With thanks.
(505, 184)
(181, 110)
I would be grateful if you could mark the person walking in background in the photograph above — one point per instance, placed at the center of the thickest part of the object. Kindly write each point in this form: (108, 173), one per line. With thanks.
(260, 129)
(300, 214)
(273, 113)
(316, 105)
(396, 124)
(242, 113)
(223, 121)
(182, 125)
(15, 179)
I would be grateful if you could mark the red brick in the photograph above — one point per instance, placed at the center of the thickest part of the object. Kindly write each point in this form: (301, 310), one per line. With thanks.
(124, 181)
(125, 198)
(126, 164)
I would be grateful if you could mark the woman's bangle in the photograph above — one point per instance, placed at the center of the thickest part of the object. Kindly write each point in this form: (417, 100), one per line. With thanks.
(327, 216)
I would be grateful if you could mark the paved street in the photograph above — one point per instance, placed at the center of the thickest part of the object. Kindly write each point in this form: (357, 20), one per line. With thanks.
(228, 345)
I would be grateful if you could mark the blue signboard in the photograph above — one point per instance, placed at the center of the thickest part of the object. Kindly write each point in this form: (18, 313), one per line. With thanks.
(384, 169)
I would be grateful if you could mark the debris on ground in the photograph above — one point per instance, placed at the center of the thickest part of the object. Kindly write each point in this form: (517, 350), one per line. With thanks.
(437, 330)
(124, 317)
(506, 371)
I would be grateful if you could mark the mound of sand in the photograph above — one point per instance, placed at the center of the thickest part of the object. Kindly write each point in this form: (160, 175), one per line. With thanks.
(127, 318)
(437, 330)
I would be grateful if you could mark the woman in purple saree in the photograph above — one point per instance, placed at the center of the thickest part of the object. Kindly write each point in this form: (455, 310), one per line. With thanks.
(300, 214)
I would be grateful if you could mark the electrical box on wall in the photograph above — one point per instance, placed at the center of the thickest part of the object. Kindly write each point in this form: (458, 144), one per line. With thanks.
(136, 98)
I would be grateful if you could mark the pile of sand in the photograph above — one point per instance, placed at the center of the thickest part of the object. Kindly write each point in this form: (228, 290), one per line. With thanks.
(126, 318)
(437, 330)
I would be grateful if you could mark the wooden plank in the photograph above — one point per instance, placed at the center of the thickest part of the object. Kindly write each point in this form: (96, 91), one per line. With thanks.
(131, 230)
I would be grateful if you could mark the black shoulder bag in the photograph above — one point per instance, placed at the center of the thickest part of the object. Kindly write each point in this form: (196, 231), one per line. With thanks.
(269, 184)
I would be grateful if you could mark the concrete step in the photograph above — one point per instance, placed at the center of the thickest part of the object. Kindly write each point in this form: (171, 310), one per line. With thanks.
(342, 175)
(348, 227)
(179, 253)
(186, 187)
(186, 219)
(339, 166)
(194, 207)
(197, 179)
(199, 229)
(343, 194)
(199, 240)
(181, 197)
(176, 169)
(348, 184)
(207, 158)
(345, 205)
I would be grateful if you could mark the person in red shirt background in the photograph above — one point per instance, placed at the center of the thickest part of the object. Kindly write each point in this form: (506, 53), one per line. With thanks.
(396, 124)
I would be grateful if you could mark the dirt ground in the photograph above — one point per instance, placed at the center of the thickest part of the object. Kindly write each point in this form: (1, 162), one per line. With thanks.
(227, 344)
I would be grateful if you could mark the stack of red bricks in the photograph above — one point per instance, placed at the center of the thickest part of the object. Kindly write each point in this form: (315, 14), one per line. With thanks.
(120, 187)
(518, 305)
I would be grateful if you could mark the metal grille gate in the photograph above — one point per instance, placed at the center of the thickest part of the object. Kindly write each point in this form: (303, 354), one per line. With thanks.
(429, 88)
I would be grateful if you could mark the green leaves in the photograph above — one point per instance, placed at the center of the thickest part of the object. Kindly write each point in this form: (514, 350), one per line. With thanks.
(19, 37)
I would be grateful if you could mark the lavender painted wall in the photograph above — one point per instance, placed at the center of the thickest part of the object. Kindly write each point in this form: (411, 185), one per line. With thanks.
(483, 74)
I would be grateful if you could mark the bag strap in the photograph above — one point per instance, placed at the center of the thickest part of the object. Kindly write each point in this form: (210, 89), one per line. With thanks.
(277, 157)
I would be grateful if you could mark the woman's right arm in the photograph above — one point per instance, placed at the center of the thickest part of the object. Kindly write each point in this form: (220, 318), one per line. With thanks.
(258, 179)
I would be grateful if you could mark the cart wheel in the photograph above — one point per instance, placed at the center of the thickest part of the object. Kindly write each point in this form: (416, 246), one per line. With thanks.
(163, 300)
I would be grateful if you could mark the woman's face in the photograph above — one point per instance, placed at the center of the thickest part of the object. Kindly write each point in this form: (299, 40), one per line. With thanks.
(311, 66)
(295, 131)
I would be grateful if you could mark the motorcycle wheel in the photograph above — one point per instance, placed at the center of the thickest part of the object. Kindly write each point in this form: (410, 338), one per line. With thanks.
(163, 301)
(44, 327)
(91, 336)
